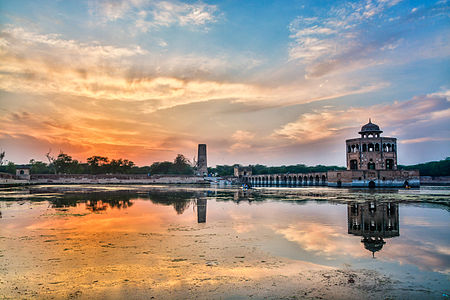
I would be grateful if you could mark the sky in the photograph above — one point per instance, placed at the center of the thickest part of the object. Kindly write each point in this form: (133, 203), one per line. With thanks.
(268, 82)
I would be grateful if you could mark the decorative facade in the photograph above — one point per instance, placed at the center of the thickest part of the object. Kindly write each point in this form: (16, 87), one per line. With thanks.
(371, 151)
(372, 162)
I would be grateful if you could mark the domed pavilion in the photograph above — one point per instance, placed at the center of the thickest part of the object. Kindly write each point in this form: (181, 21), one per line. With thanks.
(371, 151)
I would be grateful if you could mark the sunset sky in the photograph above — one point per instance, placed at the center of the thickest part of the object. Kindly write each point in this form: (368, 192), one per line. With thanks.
(270, 82)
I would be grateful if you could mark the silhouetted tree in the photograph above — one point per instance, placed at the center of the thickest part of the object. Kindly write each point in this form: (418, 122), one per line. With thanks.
(96, 164)
(2, 156)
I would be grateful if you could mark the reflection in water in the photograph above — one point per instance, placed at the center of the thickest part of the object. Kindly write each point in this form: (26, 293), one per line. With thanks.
(201, 210)
(102, 205)
(180, 200)
(374, 222)
(96, 201)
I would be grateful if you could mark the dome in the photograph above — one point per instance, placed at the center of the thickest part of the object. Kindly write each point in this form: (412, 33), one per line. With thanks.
(373, 244)
(370, 127)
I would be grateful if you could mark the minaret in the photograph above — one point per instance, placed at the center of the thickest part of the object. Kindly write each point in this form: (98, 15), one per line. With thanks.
(202, 166)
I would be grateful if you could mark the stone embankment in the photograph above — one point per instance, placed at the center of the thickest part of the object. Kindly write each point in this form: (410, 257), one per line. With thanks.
(101, 179)
(435, 180)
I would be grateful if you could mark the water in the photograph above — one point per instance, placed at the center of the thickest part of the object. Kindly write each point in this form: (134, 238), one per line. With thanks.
(190, 242)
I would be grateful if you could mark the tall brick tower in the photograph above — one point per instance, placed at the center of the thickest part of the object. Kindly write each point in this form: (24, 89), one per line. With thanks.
(202, 166)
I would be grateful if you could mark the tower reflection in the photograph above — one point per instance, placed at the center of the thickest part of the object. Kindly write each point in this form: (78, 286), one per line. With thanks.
(374, 222)
(201, 210)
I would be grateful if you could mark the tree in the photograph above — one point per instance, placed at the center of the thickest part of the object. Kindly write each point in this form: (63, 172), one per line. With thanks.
(51, 160)
(119, 166)
(39, 167)
(161, 167)
(65, 164)
(2, 156)
(181, 165)
(11, 168)
(97, 163)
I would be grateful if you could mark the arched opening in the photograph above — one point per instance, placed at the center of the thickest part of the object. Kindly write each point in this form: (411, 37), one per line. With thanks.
(377, 147)
(270, 180)
(353, 148)
(277, 180)
(372, 184)
(324, 179)
(349, 149)
(22, 172)
(388, 146)
(370, 147)
(317, 180)
(389, 164)
(353, 164)
(371, 166)
(364, 148)
(305, 180)
(299, 180)
(311, 180)
(393, 147)
(406, 183)
(294, 180)
(339, 183)
(289, 180)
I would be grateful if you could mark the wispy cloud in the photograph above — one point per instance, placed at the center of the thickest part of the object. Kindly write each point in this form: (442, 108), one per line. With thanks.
(152, 15)
(242, 139)
(49, 64)
(346, 39)
(402, 118)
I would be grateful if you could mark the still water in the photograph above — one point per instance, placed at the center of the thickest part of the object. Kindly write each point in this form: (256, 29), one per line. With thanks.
(206, 242)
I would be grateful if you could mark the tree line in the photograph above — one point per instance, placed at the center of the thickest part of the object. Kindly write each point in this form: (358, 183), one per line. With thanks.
(432, 168)
(65, 164)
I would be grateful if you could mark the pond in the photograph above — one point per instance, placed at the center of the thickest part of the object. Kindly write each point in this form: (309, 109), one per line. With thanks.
(179, 242)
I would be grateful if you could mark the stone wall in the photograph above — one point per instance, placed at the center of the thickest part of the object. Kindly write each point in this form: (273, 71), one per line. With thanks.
(104, 179)
(380, 178)
(435, 180)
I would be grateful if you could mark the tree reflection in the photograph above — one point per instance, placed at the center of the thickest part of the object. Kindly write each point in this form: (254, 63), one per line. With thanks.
(374, 221)
(180, 200)
(94, 202)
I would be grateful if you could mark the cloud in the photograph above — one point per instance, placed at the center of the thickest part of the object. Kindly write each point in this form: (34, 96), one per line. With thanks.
(404, 118)
(45, 64)
(48, 64)
(321, 239)
(152, 15)
(347, 38)
(242, 140)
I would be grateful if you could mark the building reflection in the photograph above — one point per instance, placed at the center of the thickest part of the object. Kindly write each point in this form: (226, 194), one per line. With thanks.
(374, 222)
(241, 195)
